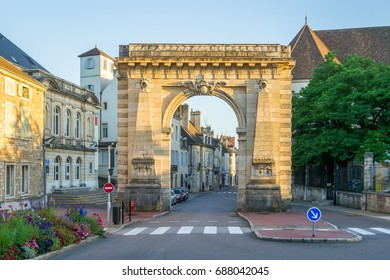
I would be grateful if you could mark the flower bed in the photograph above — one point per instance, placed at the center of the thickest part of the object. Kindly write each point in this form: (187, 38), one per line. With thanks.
(25, 234)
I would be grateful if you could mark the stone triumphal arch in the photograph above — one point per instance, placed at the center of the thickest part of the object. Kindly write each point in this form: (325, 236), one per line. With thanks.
(255, 80)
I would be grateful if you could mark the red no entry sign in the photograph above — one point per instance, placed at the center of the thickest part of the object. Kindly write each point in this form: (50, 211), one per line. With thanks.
(108, 187)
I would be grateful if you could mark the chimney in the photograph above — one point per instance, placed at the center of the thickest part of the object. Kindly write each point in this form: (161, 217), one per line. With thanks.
(195, 119)
(185, 115)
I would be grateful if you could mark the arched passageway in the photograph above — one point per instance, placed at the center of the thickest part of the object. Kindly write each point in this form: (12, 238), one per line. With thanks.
(255, 80)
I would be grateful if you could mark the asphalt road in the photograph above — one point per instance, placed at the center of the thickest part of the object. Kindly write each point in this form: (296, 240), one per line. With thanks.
(207, 228)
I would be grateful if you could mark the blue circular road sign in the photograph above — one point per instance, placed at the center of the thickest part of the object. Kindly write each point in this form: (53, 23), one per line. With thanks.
(314, 214)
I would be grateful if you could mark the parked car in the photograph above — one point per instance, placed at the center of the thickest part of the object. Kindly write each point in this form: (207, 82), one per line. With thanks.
(185, 193)
(179, 195)
(173, 198)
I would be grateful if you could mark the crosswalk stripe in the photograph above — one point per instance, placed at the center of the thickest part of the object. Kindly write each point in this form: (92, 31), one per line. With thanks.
(135, 231)
(235, 230)
(381, 230)
(160, 230)
(185, 230)
(361, 231)
(210, 230)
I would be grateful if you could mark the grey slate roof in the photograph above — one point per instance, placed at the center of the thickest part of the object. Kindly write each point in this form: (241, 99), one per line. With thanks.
(15, 55)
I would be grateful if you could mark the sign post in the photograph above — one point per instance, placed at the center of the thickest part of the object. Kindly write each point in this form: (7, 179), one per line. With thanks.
(313, 214)
(108, 188)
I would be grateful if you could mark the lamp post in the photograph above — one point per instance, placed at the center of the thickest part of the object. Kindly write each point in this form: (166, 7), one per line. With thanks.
(44, 166)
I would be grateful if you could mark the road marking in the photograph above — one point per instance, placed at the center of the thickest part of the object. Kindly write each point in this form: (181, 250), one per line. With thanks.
(185, 230)
(135, 231)
(154, 222)
(160, 230)
(210, 230)
(213, 221)
(381, 230)
(361, 231)
(174, 221)
(232, 221)
(193, 221)
(235, 230)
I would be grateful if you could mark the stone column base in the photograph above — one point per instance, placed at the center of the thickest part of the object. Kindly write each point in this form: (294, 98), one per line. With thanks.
(262, 198)
(147, 198)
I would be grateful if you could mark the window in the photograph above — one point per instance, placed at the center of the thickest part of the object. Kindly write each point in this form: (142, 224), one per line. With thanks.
(176, 133)
(89, 127)
(57, 163)
(25, 122)
(25, 92)
(9, 86)
(9, 180)
(104, 64)
(91, 87)
(90, 167)
(89, 63)
(56, 121)
(67, 124)
(105, 105)
(104, 130)
(78, 125)
(67, 169)
(78, 169)
(104, 157)
(25, 179)
(10, 119)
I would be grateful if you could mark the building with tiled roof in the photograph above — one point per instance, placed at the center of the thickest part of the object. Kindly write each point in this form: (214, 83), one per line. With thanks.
(309, 48)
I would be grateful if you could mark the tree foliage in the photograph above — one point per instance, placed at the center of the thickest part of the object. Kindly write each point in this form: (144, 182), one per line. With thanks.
(343, 112)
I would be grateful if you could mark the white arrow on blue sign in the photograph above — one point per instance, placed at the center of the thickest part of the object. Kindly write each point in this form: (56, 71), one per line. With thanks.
(314, 214)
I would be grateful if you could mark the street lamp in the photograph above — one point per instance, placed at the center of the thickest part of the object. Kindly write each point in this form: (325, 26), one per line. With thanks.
(45, 166)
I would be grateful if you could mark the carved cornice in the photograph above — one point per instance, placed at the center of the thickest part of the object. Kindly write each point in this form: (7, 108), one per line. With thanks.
(201, 87)
(205, 50)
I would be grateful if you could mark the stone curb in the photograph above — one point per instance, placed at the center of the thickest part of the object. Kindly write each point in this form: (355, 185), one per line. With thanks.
(254, 229)
(90, 239)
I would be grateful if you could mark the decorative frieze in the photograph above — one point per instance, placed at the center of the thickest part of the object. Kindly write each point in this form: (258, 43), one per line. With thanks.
(201, 87)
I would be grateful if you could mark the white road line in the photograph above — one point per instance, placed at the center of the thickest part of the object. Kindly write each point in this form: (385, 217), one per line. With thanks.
(212, 221)
(361, 231)
(381, 230)
(232, 221)
(160, 230)
(210, 230)
(193, 221)
(235, 230)
(135, 231)
(185, 230)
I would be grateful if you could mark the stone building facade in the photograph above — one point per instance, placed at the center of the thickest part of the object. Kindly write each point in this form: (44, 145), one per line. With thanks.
(70, 139)
(21, 134)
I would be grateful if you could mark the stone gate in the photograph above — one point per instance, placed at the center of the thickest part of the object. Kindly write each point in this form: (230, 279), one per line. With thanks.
(255, 80)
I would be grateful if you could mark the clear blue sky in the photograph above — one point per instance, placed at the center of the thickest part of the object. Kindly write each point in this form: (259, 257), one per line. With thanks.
(55, 32)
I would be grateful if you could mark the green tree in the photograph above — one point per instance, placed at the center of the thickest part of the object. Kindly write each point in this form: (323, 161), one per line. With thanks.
(342, 113)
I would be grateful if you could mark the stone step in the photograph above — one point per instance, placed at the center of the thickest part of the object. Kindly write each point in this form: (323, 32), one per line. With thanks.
(97, 197)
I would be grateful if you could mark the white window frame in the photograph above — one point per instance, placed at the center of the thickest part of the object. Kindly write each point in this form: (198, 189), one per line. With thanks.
(10, 183)
(28, 98)
(68, 165)
(78, 126)
(57, 169)
(9, 86)
(67, 123)
(24, 179)
(78, 169)
(104, 130)
(56, 121)
(90, 63)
